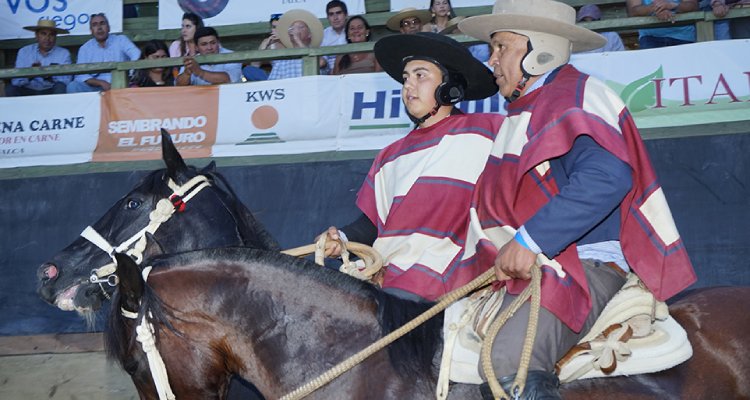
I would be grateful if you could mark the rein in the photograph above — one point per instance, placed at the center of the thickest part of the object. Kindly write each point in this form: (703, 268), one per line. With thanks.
(533, 290)
(137, 243)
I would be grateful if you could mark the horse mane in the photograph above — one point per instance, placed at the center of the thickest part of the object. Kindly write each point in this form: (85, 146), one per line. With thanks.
(411, 355)
(253, 233)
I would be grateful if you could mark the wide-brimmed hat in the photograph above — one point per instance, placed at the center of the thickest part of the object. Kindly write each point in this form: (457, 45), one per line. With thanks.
(394, 22)
(45, 24)
(312, 22)
(546, 16)
(453, 56)
(452, 26)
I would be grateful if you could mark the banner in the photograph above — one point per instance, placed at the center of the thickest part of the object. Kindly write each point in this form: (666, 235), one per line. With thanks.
(40, 130)
(397, 5)
(72, 15)
(666, 87)
(699, 83)
(299, 115)
(132, 120)
(232, 12)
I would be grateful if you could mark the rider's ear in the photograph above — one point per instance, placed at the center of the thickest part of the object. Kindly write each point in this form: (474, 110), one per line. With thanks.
(176, 166)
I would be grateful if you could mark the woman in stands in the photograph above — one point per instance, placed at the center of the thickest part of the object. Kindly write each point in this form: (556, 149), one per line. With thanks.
(357, 31)
(442, 12)
(152, 50)
(185, 46)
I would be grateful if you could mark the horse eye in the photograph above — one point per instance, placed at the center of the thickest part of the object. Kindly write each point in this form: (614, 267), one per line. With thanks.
(132, 204)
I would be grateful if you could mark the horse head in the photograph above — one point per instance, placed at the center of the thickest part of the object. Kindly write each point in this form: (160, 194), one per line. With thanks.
(180, 207)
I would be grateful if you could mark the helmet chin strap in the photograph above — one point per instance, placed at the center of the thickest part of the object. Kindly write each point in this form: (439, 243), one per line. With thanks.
(519, 88)
(420, 121)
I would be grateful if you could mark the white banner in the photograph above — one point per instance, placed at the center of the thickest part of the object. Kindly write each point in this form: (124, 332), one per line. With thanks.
(48, 130)
(665, 87)
(397, 5)
(699, 83)
(231, 12)
(299, 115)
(72, 15)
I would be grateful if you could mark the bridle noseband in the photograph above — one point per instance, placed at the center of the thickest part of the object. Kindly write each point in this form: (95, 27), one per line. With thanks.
(136, 244)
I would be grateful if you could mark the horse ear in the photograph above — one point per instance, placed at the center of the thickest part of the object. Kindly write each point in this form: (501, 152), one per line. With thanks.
(130, 281)
(172, 158)
(210, 168)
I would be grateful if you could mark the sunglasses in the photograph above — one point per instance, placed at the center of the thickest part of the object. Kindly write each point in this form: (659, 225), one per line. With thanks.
(410, 22)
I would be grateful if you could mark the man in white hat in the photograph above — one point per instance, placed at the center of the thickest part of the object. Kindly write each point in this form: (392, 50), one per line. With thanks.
(296, 29)
(408, 21)
(573, 183)
(43, 53)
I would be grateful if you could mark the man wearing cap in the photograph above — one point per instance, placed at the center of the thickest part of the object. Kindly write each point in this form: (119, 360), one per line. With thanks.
(43, 53)
(192, 73)
(296, 29)
(417, 197)
(591, 12)
(103, 47)
(408, 21)
(574, 189)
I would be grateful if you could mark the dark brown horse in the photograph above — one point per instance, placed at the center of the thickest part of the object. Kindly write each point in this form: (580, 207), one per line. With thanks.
(279, 322)
(278, 333)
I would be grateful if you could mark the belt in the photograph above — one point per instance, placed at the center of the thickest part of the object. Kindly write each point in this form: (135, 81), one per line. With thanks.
(616, 268)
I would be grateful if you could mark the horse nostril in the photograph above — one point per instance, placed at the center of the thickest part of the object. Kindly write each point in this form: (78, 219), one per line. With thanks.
(48, 271)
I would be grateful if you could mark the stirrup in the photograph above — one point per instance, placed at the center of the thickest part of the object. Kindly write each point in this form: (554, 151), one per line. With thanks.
(540, 385)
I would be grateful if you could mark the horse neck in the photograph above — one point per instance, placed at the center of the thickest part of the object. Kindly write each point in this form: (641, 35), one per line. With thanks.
(287, 320)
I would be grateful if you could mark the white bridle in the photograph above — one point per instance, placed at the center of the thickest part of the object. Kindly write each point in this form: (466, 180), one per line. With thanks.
(135, 245)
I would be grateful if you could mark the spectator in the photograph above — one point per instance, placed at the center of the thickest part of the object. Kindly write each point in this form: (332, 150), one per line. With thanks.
(185, 45)
(664, 10)
(590, 12)
(408, 21)
(159, 76)
(335, 34)
(357, 31)
(103, 47)
(442, 12)
(192, 73)
(296, 29)
(480, 51)
(41, 54)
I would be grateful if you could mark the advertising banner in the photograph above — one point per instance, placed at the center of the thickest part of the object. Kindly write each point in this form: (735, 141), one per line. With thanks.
(72, 15)
(132, 120)
(698, 83)
(231, 12)
(51, 134)
(298, 115)
(425, 4)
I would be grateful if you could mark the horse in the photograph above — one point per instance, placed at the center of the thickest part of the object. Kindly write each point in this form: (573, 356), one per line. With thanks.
(213, 218)
(279, 322)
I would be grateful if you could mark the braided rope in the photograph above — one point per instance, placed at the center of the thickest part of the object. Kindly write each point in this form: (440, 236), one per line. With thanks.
(350, 362)
(533, 290)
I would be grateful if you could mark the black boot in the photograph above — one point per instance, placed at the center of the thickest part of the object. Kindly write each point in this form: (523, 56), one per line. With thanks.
(540, 385)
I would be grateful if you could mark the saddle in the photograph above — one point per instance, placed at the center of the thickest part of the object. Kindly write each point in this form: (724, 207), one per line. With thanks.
(633, 335)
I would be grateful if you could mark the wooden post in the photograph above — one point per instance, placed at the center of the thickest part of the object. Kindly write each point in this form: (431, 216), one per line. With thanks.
(704, 31)
(119, 79)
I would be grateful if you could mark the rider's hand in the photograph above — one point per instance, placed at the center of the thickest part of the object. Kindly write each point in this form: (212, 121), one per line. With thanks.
(333, 244)
(514, 261)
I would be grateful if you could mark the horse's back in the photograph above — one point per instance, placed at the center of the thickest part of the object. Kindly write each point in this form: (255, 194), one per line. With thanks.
(718, 326)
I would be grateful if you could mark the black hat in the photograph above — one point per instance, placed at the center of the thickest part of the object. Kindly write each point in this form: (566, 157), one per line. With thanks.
(451, 55)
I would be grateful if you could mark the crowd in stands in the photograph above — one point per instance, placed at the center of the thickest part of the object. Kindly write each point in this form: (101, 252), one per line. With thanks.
(301, 29)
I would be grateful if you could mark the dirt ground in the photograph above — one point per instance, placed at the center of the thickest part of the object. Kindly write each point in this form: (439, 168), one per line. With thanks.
(29, 370)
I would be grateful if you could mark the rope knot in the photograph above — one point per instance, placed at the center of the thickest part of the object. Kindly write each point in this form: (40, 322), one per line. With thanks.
(163, 210)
